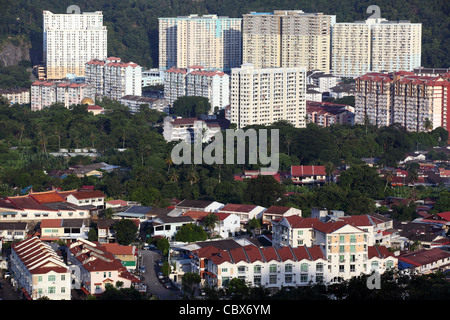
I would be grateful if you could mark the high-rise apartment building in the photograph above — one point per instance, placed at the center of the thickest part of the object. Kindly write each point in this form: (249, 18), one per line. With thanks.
(418, 103)
(262, 96)
(196, 81)
(46, 93)
(71, 40)
(113, 78)
(287, 38)
(375, 45)
(211, 41)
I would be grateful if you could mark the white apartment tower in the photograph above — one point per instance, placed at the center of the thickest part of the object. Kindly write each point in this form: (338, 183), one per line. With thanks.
(264, 96)
(113, 78)
(287, 38)
(375, 45)
(71, 40)
(196, 81)
(211, 41)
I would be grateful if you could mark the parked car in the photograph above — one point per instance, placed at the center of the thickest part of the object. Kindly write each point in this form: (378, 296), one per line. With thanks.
(167, 284)
(160, 275)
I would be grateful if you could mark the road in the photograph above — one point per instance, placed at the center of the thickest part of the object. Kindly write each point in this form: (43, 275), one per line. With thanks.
(150, 278)
(7, 292)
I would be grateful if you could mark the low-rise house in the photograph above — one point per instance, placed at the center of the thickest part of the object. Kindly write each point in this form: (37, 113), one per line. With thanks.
(68, 230)
(85, 196)
(278, 212)
(13, 231)
(115, 203)
(198, 205)
(424, 261)
(126, 254)
(166, 226)
(39, 270)
(189, 129)
(228, 224)
(306, 175)
(141, 213)
(245, 212)
(105, 230)
(93, 268)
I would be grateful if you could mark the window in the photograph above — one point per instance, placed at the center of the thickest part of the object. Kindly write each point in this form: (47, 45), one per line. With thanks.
(272, 279)
(341, 248)
(341, 239)
(51, 278)
(352, 238)
(51, 290)
(63, 290)
(257, 280)
(352, 268)
(303, 277)
(39, 278)
(63, 277)
(241, 269)
(304, 267)
(273, 268)
(341, 268)
(224, 269)
(288, 268)
(257, 269)
(352, 248)
(288, 278)
(389, 264)
(300, 232)
(319, 277)
(319, 267)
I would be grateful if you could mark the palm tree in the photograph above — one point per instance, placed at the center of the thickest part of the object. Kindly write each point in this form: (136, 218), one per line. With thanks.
(329, 169)
(169, 162)
(389, 177)
(173, 176)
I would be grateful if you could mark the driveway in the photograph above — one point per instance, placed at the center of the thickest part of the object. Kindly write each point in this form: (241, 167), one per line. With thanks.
(150, 278)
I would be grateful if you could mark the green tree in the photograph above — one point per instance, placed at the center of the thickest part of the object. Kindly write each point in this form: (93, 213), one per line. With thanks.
(191, 233)
(163, 245)
(126, 231)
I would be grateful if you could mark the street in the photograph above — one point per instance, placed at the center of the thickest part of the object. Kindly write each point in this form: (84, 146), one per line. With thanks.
(150, 276)
(7, 292)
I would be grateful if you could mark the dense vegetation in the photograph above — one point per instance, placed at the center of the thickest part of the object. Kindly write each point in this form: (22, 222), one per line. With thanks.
(133, 24)
(147, 174)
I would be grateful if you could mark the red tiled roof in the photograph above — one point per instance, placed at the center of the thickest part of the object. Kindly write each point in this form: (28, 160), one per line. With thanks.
(47, 197)
(303, 171)
(51, 223)
(26, 202)
(277, 210)
(87, 194)
(244, 208)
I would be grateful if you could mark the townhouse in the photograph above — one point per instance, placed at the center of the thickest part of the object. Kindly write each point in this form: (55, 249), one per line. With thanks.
(278, 212)
(39, 271)
(13, 231)
(424, 261)
(63, 229)
(270, 267)
(38, 206)
(345, 243)
(245, 212)
(308, 174)
(93, 268)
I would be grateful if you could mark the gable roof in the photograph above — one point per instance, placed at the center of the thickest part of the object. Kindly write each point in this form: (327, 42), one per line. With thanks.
(302, 171)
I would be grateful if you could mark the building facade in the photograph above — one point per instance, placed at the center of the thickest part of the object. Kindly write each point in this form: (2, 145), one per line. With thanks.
(39, 270)
(210, 40)
(113, 78)
(375, 45)
(287, 38)
(196, 81)
(71, 40)
(419, 103)
(264, 96)
(46, 93)
(19, 95)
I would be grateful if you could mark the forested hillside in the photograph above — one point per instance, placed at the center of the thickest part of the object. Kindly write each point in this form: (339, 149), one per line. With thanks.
(133, 24)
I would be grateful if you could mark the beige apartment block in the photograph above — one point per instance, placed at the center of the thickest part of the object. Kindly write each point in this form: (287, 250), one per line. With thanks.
(211, 41)
(405, 98)
(287, 38)
(262, 96)
(375, 45)
(71, 40)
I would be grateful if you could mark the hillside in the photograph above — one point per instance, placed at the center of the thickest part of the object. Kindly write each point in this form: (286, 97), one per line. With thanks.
(133, 24)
